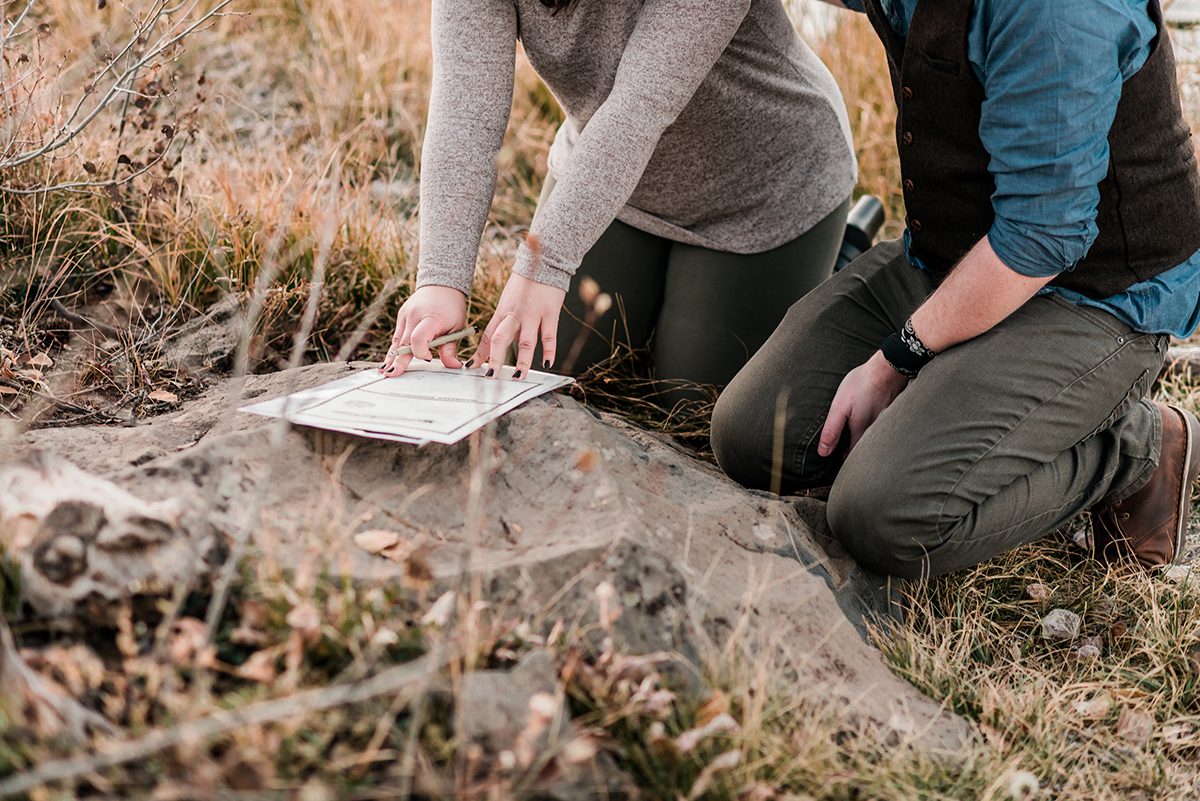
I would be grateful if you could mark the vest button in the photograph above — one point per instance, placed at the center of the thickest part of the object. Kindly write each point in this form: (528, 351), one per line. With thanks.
(916, 226)
(907, 138)
(909, 185)
(906, 92)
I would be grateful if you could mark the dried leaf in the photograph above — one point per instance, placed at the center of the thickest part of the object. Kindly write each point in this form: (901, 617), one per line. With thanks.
(305, 619)
(251, 629)
(260, 666)
(661, 746)
(542, 708)
(417, 569)
(610, 607)
(163, 396)
(1180, 735)
(376, 541)
(439, 614)
(1038, 592)
(723, 763)
(587, 461)
(580, 750)
(7, 390)
(761, 792)
(187, 644)
(687, 742)
(75, 668)
(42, 360)
(717, 704)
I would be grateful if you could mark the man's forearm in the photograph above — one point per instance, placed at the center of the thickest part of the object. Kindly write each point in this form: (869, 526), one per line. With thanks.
(979, 293)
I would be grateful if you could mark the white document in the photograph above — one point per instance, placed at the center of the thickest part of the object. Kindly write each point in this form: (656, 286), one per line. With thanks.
(429, 403)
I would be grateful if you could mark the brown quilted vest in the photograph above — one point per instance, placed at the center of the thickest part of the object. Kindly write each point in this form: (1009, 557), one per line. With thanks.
(1149, 212)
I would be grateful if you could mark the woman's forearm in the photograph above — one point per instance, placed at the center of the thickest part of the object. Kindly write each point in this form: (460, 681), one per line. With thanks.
(474, 53)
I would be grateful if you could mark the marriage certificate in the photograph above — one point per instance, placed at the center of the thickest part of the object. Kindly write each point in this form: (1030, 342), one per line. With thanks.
(428, 403)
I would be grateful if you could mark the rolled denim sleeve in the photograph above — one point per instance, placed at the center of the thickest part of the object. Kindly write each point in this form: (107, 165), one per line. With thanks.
(1052, 76)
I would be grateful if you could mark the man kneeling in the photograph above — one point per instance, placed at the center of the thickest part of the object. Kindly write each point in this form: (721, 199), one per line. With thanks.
(980, 383)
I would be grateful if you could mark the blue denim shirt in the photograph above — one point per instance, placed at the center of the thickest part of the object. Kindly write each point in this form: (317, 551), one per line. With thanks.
(1052, 74)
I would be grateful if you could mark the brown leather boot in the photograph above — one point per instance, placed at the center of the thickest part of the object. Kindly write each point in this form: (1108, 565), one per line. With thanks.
(1149, 527)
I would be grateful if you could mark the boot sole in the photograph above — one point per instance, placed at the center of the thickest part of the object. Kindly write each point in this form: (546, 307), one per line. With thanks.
(1190, 472)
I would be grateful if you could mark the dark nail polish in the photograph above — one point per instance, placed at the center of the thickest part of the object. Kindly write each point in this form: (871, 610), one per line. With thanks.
(470, 364)
(490, 372)
(546, 364)
(517, 374)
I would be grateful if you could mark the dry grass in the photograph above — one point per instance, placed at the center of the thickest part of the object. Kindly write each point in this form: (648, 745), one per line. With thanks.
(297, 129)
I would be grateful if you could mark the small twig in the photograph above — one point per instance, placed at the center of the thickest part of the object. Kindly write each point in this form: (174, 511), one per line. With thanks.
(79, 319)
(74, 124)
(63, 405)
(82, 186)
(393, 680)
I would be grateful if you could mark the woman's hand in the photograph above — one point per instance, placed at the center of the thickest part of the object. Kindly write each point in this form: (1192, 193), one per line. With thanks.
(862, 396)
(428, 313)
(526, 309)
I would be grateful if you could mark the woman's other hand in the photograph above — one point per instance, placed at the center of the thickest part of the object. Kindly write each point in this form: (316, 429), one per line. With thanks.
(428, 313)
(527, 311)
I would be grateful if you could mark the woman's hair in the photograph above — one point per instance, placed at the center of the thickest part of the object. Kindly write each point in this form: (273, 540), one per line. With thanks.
(557, 5)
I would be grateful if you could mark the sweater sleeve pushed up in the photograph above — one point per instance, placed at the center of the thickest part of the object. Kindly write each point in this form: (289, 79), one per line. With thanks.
(474, 53)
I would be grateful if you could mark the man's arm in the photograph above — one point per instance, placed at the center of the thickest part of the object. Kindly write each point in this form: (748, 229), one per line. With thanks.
(980, 292)
(1052, 74)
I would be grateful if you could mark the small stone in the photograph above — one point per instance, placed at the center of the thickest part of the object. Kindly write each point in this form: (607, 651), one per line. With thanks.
(1038, 591)
(1178, 574)
(1104, 606)
(1093, 708)
(1060, 624)
(1135, 727)
(1090, 648)
(1083, 539)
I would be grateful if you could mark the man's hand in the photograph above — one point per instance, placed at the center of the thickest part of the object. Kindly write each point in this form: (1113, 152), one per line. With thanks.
(862, 396)
(526, 309)
(427, 314)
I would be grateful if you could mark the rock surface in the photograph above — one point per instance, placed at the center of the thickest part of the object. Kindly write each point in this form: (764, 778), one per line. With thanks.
(557, 502)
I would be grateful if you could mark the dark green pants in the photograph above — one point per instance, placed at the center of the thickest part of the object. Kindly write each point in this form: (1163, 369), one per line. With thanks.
(701, 312)
(999, 441)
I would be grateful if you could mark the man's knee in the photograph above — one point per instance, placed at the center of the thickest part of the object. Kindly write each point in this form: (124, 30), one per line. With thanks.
(875, 520)
(737, 438)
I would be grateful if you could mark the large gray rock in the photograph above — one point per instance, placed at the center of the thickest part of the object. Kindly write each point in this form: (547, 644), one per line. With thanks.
(556, 504)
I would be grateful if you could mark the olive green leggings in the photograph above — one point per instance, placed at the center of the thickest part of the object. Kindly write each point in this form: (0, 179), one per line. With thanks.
(701, 313)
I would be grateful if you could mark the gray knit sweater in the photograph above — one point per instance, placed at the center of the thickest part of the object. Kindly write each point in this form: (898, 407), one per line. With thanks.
(707, 122)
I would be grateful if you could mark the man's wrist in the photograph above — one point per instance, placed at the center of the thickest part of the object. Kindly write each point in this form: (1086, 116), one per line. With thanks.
(884, 370)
